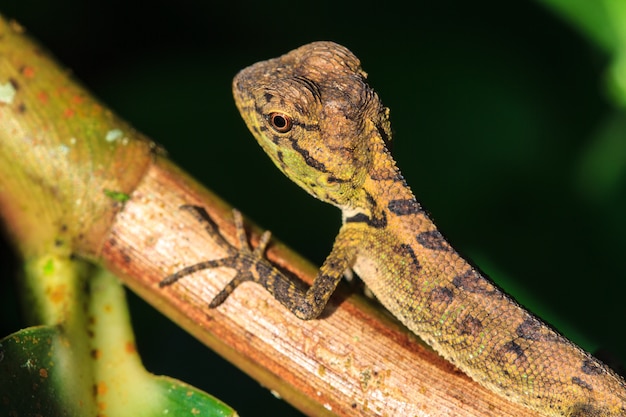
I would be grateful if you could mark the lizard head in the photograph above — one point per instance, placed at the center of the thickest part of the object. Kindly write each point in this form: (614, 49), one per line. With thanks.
(313, 113)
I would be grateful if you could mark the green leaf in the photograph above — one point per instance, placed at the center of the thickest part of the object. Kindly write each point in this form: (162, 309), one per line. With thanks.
(87, 365)
(117, 196)
(604, 22)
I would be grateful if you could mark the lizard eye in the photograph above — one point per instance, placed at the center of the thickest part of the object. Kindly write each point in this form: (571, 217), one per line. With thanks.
(280, 122)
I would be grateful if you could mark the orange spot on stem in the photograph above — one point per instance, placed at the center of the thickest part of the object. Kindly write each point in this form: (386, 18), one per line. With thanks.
(101, 388)
(43, 97)
(57, 293)
(28, 72)
(130, 347)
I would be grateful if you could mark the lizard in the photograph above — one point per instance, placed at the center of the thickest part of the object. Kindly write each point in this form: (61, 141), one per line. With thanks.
(313, 112)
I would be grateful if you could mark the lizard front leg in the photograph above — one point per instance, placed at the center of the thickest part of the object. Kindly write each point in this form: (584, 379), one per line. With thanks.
(251, 265)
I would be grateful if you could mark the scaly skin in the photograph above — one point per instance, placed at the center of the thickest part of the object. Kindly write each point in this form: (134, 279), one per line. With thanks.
(313, 113)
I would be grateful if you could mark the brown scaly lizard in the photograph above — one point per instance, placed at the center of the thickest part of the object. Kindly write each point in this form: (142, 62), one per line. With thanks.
(314, 114)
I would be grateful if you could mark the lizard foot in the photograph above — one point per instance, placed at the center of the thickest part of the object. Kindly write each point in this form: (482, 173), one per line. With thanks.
(250, 264)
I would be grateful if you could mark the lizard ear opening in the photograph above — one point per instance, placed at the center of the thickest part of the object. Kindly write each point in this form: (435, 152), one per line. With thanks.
(280, 122)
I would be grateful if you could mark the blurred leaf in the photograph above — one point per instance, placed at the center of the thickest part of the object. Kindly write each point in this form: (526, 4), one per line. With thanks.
(604, 22)
(592, 17)
(88, 365)
(602, 169)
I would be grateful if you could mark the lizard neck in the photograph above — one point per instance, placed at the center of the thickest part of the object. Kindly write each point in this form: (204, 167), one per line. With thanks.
(383, 194)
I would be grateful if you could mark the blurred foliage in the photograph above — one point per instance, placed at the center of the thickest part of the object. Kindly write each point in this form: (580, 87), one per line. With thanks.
(504, 128)
(54, 370)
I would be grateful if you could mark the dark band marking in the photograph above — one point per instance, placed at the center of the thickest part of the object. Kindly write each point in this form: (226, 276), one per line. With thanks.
(581, 383)
(259, 111)
(309, 127)
(325, 287)
(376, 222)
(404, 207)
(384, 136)
(533, 329)
(265, 272)
(406, 250)
(512, 353)
(308, 159)
(530, 329)
(471, 326)
(268, 97)
(334, 180)
(387, 174)
(371, 201)
(512, 347)
(441, 295)
(471, 281)
(281, 289)
(591, 367)
(433, 240)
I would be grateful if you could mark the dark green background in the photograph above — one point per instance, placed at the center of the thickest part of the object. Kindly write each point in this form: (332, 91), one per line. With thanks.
(496, 107)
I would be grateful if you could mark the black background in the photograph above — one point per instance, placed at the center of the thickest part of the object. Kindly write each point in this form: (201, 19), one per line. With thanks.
(495, 108)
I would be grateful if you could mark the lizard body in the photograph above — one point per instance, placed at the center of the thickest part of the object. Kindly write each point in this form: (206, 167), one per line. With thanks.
(313, 113)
